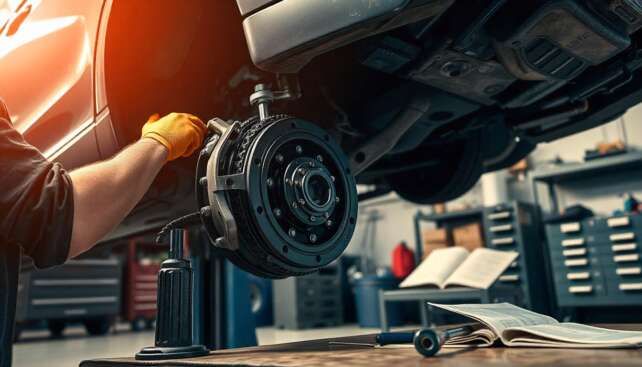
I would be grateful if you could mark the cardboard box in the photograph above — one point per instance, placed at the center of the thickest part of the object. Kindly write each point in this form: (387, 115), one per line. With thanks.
(469, 236)
(435, 239)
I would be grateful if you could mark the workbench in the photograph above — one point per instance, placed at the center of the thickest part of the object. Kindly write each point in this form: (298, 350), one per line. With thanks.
(322, 353)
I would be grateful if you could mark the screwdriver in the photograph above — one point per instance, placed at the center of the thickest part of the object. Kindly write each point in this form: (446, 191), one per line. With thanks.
(427, 342)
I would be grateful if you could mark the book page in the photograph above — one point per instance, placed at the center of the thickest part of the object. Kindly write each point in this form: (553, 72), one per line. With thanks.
(571, 335)
(436, 268)
(482, 268)
(499, 316)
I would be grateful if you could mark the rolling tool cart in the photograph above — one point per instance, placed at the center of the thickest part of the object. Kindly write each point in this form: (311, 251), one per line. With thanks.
(85, 290)
(515, 227)
(141, 275)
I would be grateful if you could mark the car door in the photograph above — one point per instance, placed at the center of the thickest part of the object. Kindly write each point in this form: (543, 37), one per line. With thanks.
(47, 74)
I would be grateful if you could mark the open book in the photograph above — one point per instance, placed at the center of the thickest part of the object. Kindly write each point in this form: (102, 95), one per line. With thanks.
(516, 327)
(455, 266)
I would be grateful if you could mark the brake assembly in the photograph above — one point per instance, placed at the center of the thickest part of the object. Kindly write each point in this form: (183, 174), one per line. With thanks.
(276, 193)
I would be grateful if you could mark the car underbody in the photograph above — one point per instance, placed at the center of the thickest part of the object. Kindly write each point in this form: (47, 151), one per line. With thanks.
(422, 96)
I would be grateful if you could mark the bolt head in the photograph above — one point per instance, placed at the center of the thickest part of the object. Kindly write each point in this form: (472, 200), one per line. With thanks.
(279, 158)
(292, 232)
(278, 212)
(299, 149)
(319, 158)
(313, 218)
(333, 178)
(313, 237)
(288, 181)
(337, 199)
(328, 223)
(302, 171)
(302, 202)
(295, 205)
(270, 182)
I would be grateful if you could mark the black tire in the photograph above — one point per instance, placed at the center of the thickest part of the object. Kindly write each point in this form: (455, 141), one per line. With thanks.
(139, 324)
(461, 165)
(97, 326)
(56, 327)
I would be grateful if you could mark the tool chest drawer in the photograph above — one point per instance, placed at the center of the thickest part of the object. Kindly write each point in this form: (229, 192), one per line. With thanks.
(79, 288)
(602, 250)
(512, 227)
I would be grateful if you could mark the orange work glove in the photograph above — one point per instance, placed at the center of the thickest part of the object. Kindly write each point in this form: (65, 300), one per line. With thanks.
(180, 133)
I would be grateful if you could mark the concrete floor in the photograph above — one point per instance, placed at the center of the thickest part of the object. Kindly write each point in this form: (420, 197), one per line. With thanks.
(36, 349)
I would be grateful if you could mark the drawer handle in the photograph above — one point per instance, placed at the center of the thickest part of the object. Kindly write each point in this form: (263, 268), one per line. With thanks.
(626, 258)
(630, 287)
(628, 271)
(503, 241)
(577, 289)
(509, 278)
(578, 276)
(572, 242)
(499, 215)
(575, 252)
(624, 247)
(627, 236)
(570, 227)
(502, 228)
(618, 222)
(576, 262)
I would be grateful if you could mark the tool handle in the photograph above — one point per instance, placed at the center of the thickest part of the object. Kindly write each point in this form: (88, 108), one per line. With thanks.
(394, 338)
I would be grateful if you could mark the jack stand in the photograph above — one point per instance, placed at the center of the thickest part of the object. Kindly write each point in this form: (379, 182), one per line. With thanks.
(174, 304)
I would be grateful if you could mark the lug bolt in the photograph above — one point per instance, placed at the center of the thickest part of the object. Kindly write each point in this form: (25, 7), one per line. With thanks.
(319, 158)
(279, 158)
(292, 232)
(337, 199)
(298, 183)
(313, 237)
(270, 182)
(302, 171)
(288, 181)
(302, 202)
(313, 218)
(299, 149)
(312, 164)
(328, 223)
(278, 212)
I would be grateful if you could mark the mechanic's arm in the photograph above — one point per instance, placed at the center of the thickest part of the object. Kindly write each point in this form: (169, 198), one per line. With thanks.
(105, 192)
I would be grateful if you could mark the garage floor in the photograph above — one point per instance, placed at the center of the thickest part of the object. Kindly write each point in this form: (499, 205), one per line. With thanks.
(36, 349)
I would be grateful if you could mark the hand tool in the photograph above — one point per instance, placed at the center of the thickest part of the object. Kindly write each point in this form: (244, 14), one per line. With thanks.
(427, 341)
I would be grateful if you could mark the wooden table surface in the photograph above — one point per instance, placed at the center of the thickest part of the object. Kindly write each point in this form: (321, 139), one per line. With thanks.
(322, 353)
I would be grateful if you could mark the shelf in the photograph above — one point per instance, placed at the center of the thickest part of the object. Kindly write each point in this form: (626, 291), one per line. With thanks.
(618, 164)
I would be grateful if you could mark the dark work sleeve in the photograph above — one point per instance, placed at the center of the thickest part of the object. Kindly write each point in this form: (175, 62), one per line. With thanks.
(36, 201)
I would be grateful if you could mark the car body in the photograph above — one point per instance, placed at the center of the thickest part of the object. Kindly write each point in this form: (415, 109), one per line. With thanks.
(478, 84)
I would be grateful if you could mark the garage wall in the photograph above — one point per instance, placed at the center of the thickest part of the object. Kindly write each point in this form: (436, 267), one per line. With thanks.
(602, 194)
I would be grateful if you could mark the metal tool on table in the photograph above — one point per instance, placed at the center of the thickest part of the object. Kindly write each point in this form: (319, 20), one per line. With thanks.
(427, 342)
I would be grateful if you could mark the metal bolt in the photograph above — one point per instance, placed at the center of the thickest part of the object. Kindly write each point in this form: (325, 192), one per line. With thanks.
(302, 201)
(292, 232)
(326, 214)
(328, 223)
(319, 158)
(299, 149)
(295, 205)
(298, 183)
(270, 182)
(278, 212)
(312, 164)
(313, 218)
(332, 178)
(279, 158)
(337, 199)
(288, 181)
(313, 237)
(302, 171)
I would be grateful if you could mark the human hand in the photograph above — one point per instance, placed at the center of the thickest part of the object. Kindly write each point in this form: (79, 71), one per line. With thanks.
(180, 133)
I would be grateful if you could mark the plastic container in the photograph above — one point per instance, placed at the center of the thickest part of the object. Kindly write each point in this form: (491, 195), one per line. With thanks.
(366, 293)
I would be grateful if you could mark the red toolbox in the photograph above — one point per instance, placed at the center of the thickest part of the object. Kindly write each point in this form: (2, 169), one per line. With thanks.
(140, 285)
